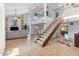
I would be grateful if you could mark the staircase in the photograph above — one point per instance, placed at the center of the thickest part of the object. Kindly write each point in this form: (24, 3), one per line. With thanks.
(44, 38)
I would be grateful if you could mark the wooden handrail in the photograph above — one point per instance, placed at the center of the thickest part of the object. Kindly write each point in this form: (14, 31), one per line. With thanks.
(53, 31)
(52, 23)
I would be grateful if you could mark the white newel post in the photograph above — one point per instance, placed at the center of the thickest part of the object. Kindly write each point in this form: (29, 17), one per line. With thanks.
(45, 15)
(29, 24)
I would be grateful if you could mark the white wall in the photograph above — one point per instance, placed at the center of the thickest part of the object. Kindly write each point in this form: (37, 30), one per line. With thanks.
(2, 30)
(73, 29)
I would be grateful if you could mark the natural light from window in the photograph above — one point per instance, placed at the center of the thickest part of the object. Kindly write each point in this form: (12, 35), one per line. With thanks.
(15, 52)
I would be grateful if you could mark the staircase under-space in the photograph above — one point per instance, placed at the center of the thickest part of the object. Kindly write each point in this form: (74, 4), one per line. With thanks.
(44, 38)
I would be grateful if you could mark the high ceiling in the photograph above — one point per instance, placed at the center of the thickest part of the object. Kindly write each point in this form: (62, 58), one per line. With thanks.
(53, 6)
(21, 8)
(39, 8)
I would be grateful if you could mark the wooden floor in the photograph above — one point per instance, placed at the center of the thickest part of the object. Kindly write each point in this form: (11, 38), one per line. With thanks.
(23, 47)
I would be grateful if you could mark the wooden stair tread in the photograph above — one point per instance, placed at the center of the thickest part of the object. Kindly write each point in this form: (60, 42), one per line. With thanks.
(49, 32)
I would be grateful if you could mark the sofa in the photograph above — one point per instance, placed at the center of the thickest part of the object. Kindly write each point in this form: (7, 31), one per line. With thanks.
(15, 34)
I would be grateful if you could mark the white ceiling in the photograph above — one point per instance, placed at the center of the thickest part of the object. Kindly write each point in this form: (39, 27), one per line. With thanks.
(39, 9)
(53, 6)
(21, 8)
